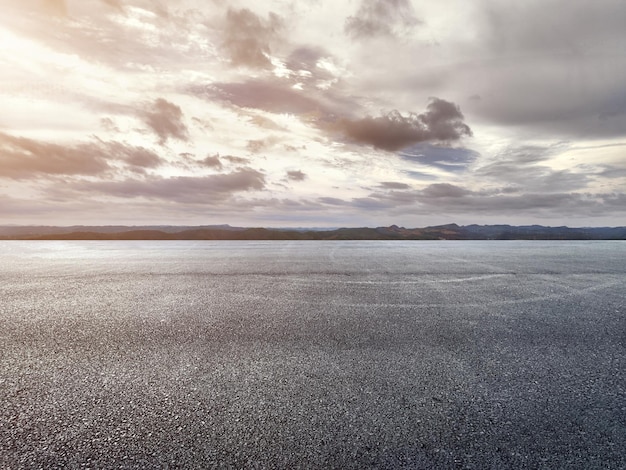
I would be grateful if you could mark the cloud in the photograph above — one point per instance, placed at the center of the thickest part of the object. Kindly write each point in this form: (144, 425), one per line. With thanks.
(393, 185)
(305, 58)
(212, 161)
(550, 66)
(259, 145)
(128, 35)
(381, 18)
(332, 201)
(557, 96)
(22, 158)
(613, 171)
(109, 125)
(236, 160)
(313, 65)
(495, 204)
(268, 95)
(166, 120)
(296, 175)
(442, 121)
(420, 175)
(248, 37)
(445, 198)
(573, 26)
(521, 167)
(208, 189)
(461, 200)
(535, 177)
(536, 204)
(370, 203)
(531, 154)
(444, 190)
(265, 95)
(138, 157)
(444, 158)
(616, 200)
(188, 161)
(265, 123)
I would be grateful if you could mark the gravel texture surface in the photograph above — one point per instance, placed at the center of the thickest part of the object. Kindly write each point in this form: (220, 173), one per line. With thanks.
(313, 355)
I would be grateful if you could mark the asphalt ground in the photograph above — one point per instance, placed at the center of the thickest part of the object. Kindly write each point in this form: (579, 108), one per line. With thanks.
(313, 355)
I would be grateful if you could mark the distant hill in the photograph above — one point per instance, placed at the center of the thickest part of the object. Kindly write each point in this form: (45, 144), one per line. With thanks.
(39, 230)
(226, 232)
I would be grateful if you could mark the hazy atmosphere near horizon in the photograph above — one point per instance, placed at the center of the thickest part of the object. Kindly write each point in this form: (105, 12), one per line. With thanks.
(313, 113)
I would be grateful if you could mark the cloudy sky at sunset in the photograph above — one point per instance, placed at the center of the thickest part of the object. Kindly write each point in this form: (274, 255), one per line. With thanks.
(313, 113)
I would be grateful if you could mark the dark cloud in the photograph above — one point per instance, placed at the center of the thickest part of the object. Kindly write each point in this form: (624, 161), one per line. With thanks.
(207, 190)
(554, 67)
(535, 204)
(248, 37)
(296, 175)
(442, 121)
(370, 203)
(393, 185)
(555, 96)
(615, 200)
(531, 154)
(453, 199)
(268, 95)
(444, 190)
(138, 157)
(445, 158)
(212, 161)
(381, 18)
(305, 62)
(166, 120)
(276, 95)
(22, 158)
(190, 162)
(332, 201)
(305, 58)
(236, 160)
(534, 177)
(497, 203)
(612, 171)
(550, 68)
(520, 167)
(394, 198)
(552, 25)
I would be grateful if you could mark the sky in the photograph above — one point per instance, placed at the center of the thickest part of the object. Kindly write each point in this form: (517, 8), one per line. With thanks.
(316, 113)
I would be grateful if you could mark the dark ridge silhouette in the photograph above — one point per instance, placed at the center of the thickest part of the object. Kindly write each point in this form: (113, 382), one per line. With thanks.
(226, 232)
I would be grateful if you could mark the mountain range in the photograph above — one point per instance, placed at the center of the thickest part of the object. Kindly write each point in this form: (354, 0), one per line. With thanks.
(393, 232)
